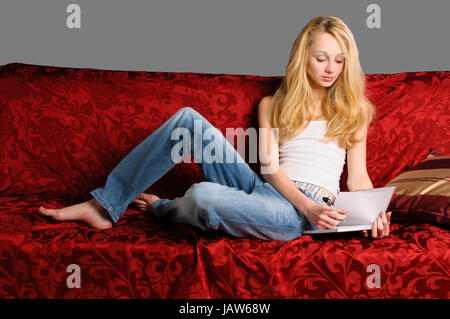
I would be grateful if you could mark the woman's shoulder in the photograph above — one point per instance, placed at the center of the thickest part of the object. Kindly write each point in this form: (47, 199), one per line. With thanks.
(266, 102)
(265, 111)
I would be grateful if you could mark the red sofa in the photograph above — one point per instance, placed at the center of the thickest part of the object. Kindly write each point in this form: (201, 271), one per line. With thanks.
(62, 130)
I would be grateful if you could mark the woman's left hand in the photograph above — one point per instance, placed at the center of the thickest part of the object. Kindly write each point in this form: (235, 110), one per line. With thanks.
(380, 227)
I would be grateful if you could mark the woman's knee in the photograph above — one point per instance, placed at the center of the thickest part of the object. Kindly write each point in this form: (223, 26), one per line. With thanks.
(187, 116)
(188, 111)
(203, 193)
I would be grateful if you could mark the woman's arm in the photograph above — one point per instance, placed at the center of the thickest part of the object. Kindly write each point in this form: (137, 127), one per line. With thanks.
(318, 215)
(358, 178)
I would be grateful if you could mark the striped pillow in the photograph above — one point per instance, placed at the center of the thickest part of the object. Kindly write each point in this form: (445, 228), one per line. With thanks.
(422, 192)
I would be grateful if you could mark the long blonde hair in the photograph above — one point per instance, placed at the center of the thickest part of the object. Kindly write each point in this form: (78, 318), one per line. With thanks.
(344, 105)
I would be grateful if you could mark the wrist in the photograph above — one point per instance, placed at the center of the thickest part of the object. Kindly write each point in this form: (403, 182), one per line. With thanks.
(304, 204)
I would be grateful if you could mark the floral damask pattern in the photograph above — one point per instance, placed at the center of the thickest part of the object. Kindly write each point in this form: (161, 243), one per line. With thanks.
(62, 130)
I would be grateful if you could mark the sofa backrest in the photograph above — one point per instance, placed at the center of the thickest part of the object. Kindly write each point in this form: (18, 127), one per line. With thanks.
(413, 115)
(62, 130)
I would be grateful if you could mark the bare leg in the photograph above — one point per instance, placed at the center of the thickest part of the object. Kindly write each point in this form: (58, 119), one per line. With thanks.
(89, 212)
(145, 201)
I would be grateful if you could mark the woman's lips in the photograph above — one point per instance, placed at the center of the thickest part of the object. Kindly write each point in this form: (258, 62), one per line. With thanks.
(327, 78)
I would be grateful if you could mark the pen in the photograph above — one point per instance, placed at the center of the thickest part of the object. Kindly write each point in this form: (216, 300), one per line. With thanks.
(327, 201)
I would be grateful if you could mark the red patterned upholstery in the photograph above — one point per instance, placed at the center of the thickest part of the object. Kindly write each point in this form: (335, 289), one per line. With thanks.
(62, 130)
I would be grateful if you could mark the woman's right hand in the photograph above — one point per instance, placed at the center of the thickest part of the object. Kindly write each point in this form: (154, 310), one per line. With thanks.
(323, 216)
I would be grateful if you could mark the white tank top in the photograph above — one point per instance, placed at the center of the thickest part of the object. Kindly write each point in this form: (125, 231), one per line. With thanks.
(305, 158)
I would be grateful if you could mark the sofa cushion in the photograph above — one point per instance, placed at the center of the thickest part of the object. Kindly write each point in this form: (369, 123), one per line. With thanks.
(143, 257)
(422, 192)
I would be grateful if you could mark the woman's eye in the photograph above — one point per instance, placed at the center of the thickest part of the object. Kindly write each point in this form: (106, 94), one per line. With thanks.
(339, 61)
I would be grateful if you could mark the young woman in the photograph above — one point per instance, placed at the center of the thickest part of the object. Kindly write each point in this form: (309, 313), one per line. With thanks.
(321, 115)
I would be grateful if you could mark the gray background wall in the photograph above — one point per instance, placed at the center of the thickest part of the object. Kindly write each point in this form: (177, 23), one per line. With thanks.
(217, 36)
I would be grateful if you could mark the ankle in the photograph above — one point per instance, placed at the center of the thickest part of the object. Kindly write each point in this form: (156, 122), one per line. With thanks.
(93, 202)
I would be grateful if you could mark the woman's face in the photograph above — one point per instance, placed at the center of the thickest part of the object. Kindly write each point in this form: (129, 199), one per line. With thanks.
(325, 60)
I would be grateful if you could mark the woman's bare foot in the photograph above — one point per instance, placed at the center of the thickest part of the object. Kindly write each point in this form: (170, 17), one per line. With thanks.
(90, 212)
(145, 201)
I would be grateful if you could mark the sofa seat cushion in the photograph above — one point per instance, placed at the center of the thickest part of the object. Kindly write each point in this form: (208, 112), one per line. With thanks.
(142, 257)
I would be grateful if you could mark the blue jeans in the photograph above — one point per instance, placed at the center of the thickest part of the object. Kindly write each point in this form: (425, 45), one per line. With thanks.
(233, 198)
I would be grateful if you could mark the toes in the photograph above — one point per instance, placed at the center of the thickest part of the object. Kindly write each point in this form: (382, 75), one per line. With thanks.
(143, 207)
(142, 196)
(145, 201)
(47, 212)
(53, 213)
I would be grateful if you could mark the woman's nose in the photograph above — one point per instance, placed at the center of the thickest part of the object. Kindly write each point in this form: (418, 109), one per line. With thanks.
(330, 68)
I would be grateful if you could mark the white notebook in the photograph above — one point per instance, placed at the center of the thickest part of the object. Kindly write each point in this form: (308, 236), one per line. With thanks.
(362, 207)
